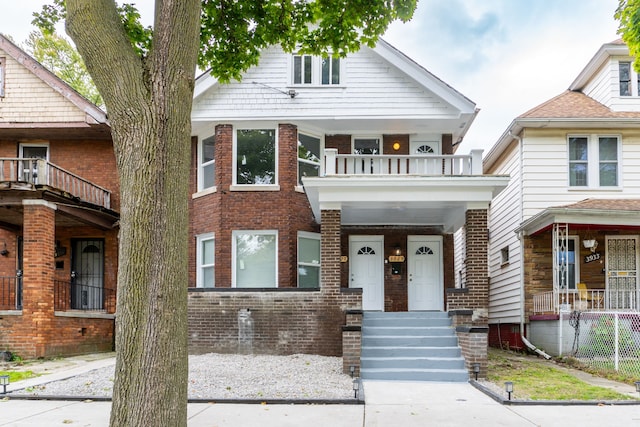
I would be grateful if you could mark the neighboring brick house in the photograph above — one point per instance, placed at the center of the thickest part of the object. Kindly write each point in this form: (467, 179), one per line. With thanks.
(326, 186)
(58, 212)
(565, 232)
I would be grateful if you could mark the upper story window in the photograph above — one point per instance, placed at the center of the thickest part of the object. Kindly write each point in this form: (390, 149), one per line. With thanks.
(593, 161)
(2, 68)
(29, 170)
(314, 70)
(206, 262)
(256, 156)
(207, 169)
(624, 72)
(365, 145)
(308, 156)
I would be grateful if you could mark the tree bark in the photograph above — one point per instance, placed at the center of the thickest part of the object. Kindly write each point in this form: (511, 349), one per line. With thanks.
(149, 106)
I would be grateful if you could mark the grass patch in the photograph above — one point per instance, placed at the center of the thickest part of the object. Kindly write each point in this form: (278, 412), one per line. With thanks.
(18, 375)
(533, 380)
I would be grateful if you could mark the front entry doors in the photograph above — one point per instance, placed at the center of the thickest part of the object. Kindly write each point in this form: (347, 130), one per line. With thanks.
(366, 270)
(87, 275)
(424, 275)
(622, 271)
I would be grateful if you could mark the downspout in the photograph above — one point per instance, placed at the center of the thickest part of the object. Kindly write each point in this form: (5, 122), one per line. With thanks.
(521, 239)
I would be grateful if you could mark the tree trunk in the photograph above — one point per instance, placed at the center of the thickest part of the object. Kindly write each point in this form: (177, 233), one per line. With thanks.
(149, 106)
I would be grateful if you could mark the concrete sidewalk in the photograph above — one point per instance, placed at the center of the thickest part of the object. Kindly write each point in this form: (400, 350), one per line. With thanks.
(405, 404)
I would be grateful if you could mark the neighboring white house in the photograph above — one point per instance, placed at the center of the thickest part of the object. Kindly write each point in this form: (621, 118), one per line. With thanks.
(570, 216)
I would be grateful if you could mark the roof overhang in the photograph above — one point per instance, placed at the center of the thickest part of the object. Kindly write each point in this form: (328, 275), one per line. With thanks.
(578, 217)
(598, 60)
(400, 200)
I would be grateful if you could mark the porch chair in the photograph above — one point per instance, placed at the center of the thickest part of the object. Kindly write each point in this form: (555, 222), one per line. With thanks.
(591, 300)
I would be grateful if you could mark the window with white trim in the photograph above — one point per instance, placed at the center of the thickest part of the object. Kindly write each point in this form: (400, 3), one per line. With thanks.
(571, 253)
(255, 156)
(594, 161)
(206, 261)
(315, 70)
(308, 156)
(255, 261)
(207, 169)
(308, 260)
(366, 145)
(624, 78)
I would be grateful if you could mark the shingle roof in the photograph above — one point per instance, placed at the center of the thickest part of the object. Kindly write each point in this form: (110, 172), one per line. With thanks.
(575, 105)
(606, 204)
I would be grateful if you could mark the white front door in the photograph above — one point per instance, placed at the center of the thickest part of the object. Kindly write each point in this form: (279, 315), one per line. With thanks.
(424, 258)
(366, 270)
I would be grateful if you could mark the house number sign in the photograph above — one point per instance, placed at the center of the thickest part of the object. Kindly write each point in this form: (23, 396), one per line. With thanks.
(592, 257)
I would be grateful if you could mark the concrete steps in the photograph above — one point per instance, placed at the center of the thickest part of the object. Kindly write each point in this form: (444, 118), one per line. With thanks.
(412, 346)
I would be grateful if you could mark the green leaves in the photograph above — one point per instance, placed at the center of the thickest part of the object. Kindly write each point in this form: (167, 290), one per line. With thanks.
(628, 13)
(234, 32)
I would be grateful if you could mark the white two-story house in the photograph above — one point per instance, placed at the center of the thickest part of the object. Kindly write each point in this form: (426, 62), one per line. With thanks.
(564, 234)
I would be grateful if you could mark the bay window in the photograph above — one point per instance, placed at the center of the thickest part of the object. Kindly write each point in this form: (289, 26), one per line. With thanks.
(308, 156)
(207, 170)
(206, 262)
(255, 156)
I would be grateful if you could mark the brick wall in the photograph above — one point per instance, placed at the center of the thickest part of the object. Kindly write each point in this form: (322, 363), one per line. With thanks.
(473, 343)
(284, 321)
(475, 296)
(223, 211)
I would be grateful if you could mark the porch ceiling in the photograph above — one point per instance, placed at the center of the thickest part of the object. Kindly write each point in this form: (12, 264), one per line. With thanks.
(401, 200)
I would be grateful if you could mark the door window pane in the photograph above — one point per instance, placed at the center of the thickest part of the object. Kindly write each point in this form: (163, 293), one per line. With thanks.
(256, 157)
(256, 257)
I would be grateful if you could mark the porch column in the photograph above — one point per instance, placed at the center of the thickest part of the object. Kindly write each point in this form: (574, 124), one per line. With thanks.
(38, 261)
(474, 297)
(330, 251)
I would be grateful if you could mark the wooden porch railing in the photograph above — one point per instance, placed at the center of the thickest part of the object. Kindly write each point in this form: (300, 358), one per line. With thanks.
(589, 300)
(42, 172)
(415, 164)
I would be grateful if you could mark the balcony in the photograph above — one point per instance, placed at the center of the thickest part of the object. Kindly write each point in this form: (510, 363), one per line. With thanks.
(552, 302)
(23, 173)
(403, 165)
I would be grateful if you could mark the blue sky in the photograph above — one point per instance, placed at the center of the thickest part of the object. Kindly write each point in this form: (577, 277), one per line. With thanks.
(505, 55)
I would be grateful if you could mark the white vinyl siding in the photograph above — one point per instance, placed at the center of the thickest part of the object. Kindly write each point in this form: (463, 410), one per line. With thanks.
(370, 87)
(504, 218)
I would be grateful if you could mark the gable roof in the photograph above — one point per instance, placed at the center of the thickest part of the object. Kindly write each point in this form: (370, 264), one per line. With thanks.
(93, 115)
(575, 105)
(384, 92)
(614, 48)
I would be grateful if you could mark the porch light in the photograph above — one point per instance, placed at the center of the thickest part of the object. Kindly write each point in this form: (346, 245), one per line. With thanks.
(476, 370)
(638, 386)
(396, 145)
(397, 251)
(508, 387)
(356, 387)
(590, 244)
(4, 382)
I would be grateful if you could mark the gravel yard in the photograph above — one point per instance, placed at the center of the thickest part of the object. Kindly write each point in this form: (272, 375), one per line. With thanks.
(231, 376)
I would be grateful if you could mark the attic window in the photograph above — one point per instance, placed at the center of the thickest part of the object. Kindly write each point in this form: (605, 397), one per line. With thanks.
(624, 72)
(316, 71)
(2, 67)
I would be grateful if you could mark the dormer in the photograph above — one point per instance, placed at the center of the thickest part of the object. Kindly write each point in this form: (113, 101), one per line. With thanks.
(610, 79)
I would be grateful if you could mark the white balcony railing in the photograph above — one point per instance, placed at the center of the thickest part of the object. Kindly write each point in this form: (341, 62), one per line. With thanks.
(41, 172)
(589, 300)
(414, 164)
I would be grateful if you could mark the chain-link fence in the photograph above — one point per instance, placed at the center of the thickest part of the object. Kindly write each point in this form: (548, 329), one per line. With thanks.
(607, 340)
